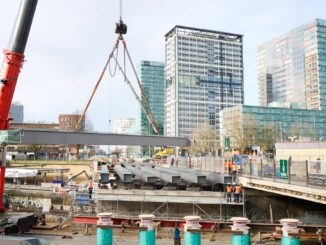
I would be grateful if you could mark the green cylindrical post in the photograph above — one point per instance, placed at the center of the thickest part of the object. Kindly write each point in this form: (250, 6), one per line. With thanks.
(240, 231)
(104, 229)
(290, 232)
(192, 234)
(146, 230)
(104, 236)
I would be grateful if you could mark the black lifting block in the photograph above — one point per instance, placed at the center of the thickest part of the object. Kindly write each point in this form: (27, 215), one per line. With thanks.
(121, 28)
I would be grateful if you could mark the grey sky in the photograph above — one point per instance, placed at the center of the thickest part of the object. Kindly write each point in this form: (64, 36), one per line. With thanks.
(71, 39)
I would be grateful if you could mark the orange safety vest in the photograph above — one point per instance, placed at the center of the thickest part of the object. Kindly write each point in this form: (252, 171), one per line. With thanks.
(234, 167)
(229, 189)
(90, 184)
(238, 189)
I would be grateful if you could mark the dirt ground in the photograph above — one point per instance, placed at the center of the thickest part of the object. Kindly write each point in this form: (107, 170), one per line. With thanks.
(75, 168)
(87, 240)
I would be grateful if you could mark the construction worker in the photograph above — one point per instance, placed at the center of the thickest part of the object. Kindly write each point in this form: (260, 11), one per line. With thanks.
(229, 190)
(238, 193)
(90, 188)
(177, 240)
(234, 173)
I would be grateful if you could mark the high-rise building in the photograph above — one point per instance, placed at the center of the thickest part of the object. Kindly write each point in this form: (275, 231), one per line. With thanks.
(292, 67)
(254, 124)
(17, 112)
(153, 81)
(204, 73)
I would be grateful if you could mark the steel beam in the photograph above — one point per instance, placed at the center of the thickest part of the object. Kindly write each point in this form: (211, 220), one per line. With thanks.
(167, 176)
(43, 137)
(124, 174)
(144, 175)
(191, 175)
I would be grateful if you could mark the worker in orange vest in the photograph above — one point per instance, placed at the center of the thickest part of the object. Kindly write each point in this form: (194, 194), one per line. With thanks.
(90, 188)
(234, 172)
(238, 193)
(229, 190)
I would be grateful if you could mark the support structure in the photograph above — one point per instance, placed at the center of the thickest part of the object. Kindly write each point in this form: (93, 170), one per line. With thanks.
(192, 230)
(240, 231)
(290, 232)
(104, 229)
(146, 229)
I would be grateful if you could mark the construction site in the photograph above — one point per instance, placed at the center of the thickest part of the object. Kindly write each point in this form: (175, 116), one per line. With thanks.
(171, 197)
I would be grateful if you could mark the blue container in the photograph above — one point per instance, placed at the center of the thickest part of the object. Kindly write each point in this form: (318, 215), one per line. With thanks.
(290, 240)
(240, 239)
(104, 236)
(147, 237)
(82, 199)
(192, 238)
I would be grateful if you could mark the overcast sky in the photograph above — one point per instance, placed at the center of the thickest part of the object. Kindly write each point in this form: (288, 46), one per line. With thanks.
(71, 39)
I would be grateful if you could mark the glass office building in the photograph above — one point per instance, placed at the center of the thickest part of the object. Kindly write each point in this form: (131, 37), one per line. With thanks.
(204, 72)
(153, 81)
(292, 67)
(17, 112)
(286, 123)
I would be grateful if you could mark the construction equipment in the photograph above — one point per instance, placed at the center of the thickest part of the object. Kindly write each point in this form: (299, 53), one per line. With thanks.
(121, 29)
(165, 152)
(75, 176)
(12, 64)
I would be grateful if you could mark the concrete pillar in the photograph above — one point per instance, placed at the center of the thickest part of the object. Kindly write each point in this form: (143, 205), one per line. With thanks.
(240, 231)
(104, 229)
(146, 229)
(290, 232)
(192, 230)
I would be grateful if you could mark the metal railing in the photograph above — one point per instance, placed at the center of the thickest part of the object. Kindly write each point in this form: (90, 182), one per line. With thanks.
(302, 173)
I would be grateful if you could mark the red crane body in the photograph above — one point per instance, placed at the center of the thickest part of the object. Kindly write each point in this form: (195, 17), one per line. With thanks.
(11, 66)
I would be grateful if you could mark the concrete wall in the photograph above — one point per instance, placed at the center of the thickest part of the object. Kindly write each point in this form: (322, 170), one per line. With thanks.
(258, 208)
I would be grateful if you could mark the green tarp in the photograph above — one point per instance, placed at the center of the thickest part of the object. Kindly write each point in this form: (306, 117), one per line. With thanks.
(8, 137)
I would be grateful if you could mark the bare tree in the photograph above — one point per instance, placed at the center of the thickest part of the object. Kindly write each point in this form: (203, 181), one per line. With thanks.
(299, 130)
(203, 139)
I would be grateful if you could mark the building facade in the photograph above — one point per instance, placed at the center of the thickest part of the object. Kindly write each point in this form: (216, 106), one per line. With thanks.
(69, 122)
(17, 112)
(292, 67)
(271, 123)
(153, 81)
(204, 73)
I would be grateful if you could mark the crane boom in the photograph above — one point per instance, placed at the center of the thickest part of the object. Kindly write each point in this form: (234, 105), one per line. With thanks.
(11, 66)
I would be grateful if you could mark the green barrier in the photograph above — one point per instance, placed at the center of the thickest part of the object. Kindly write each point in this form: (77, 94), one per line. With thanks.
(240, 239)
(192, 238)
(147, 237)
(104, 236)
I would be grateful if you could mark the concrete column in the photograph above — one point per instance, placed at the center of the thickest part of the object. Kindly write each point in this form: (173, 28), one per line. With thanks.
(104, 229)
(240, 231)
(290, 232)
(192, 230)
(146, 229)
